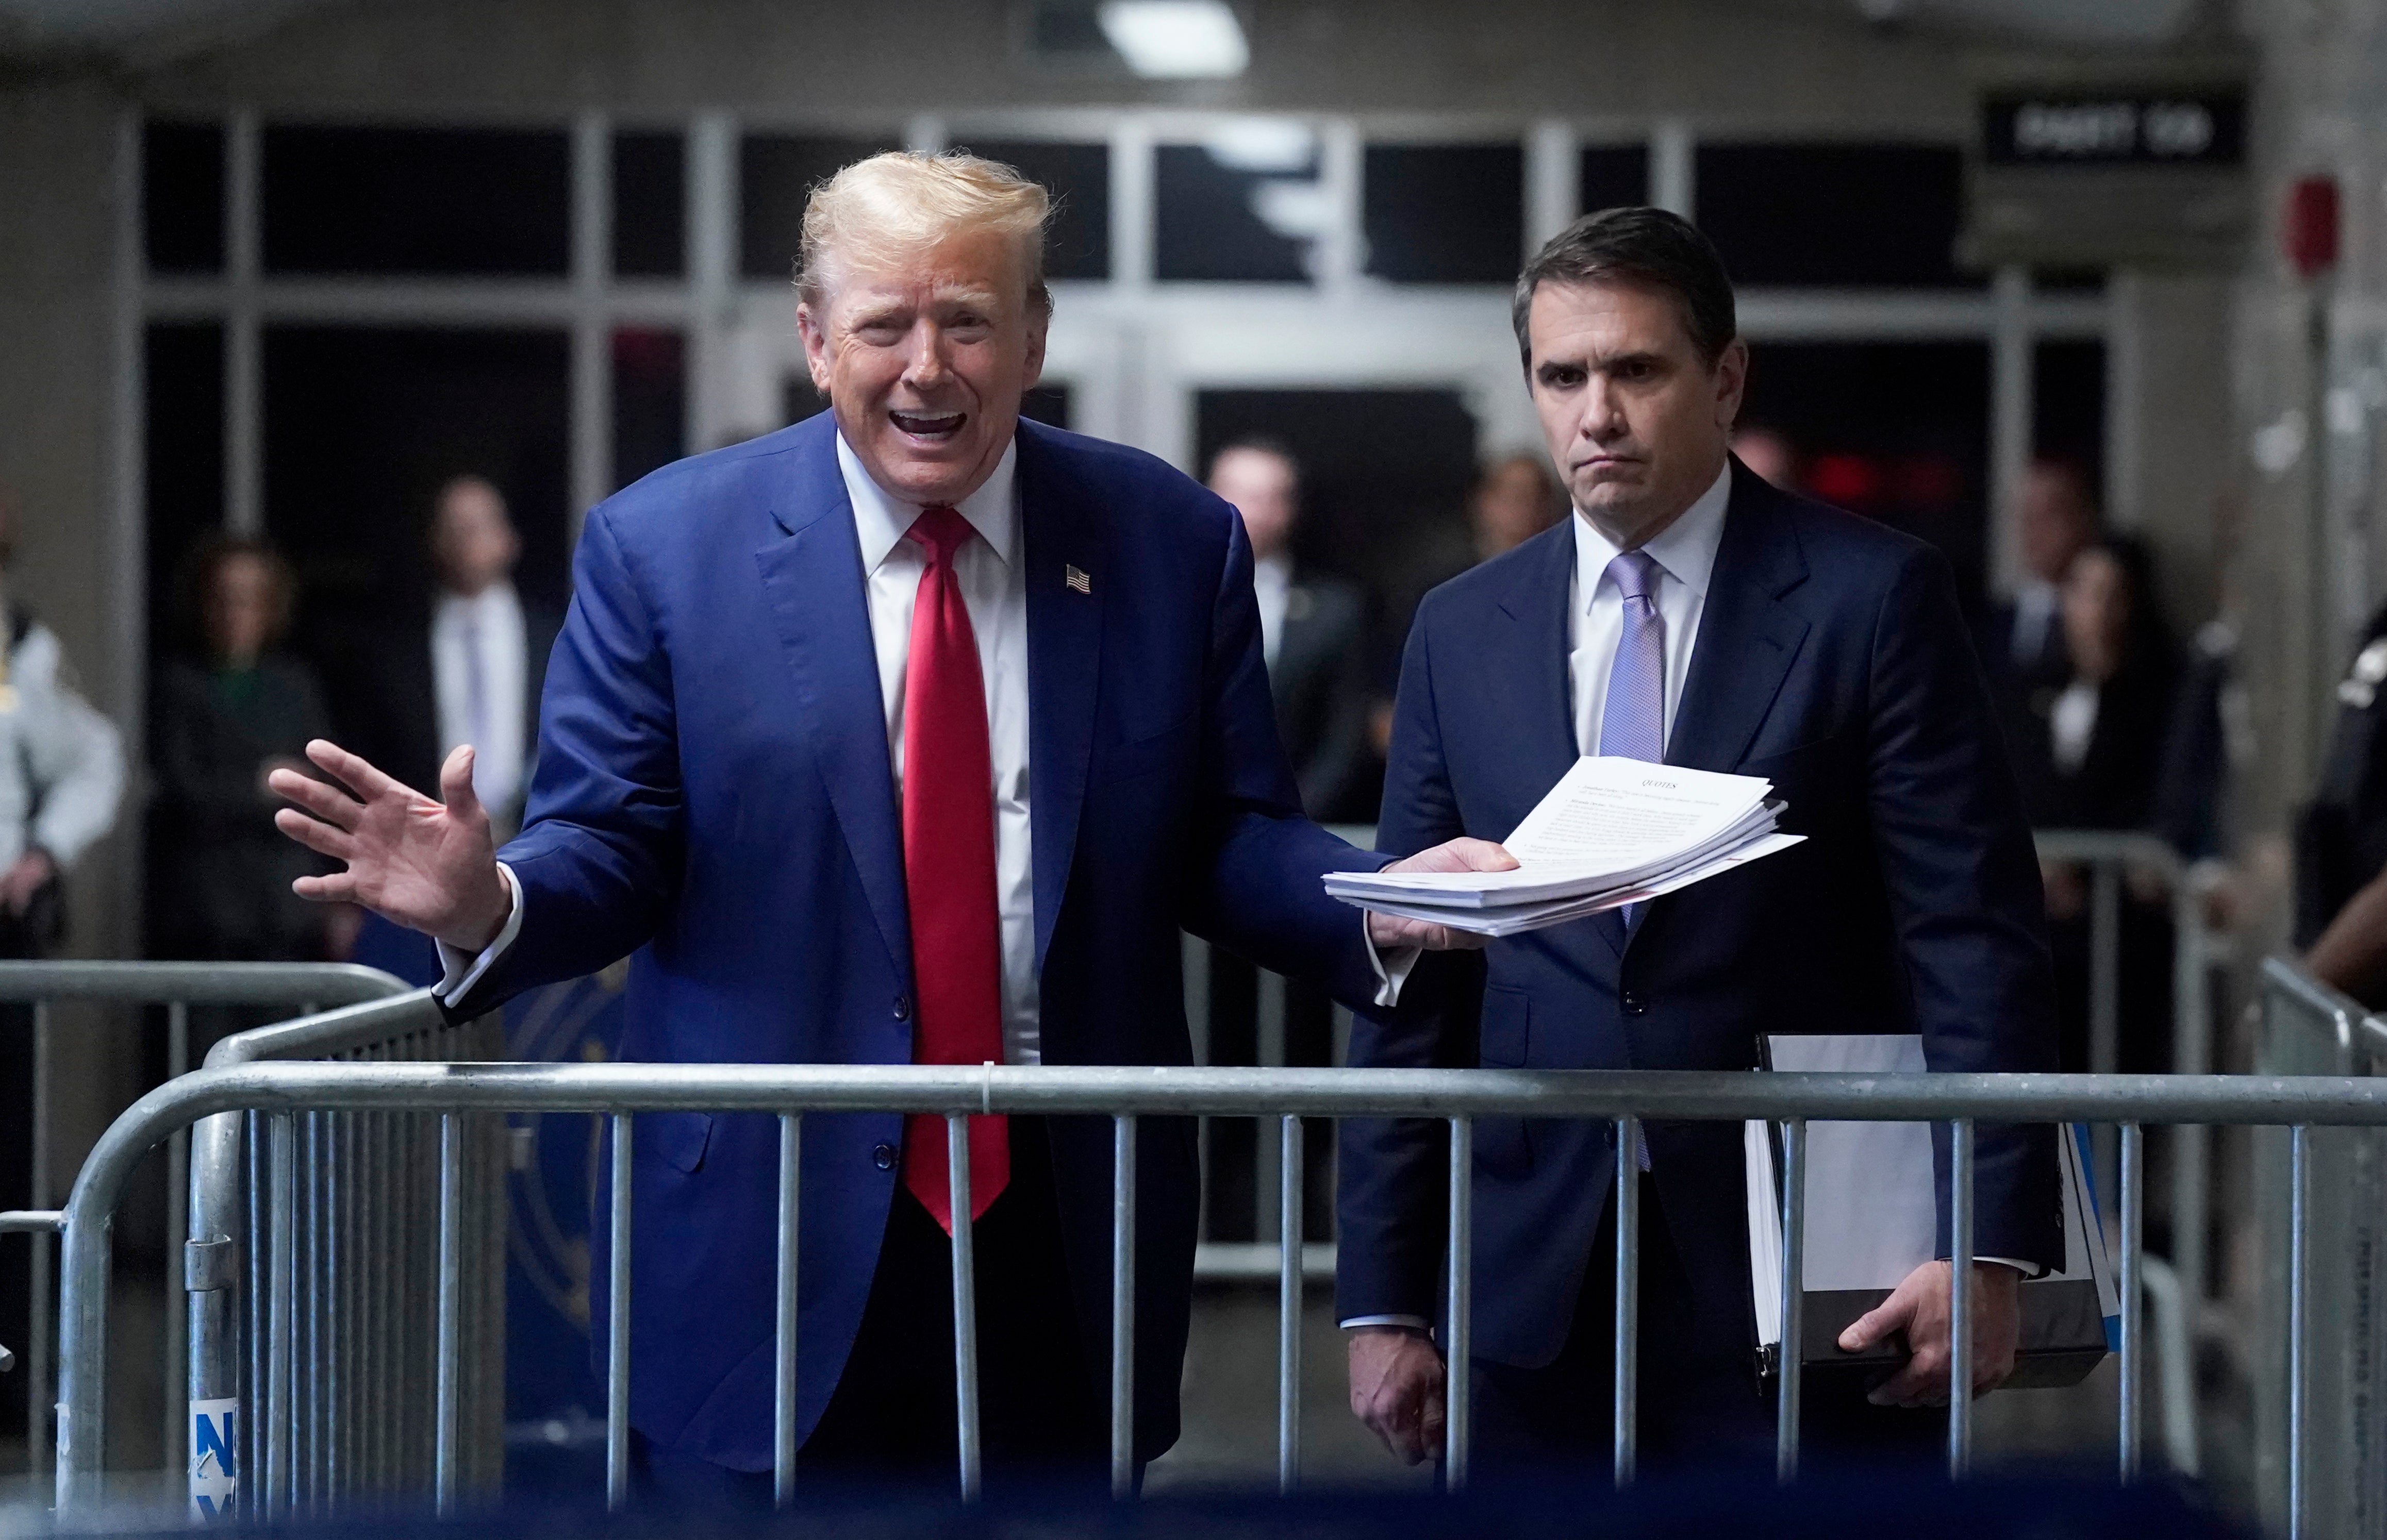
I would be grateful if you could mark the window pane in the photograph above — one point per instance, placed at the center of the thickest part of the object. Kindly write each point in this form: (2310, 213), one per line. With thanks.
(182, 197)
(649, 205)
(799, 400)
(1048, 404)
(1613, 176)
(1445, 213)
(375, 200)
(1078, 177)
(1834, 215)
(1245, 208)
(2068, 405)
(776, 175)
(1895, 431)
(183, 445)
(649, 401)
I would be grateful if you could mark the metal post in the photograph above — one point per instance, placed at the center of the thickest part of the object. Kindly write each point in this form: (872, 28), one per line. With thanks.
(447, 1453)
(1122, 1307)
(957, 1191)
(2134, 1353)
(2299, 1290)
(783, 1391)
(279, 1228)
(2105, 997)
(1457, 1357)
(1625, 1411)
(178, 1176)
(1288, 1305)
(1960, 1303)
(617, 1325)
(1793, 1358)
(37, 1312)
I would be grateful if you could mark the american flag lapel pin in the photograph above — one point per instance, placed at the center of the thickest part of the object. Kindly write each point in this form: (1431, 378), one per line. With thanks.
(1075, 581)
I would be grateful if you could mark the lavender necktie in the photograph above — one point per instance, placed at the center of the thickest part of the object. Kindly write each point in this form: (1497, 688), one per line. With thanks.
(1632, 720)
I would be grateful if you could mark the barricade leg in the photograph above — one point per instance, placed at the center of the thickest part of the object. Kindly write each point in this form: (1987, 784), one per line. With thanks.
(2133, 1365)
(447, 1437)
(783, 1379)
(1288, 1305)
(1458, 1351)
(1960, 1303)
(280, 1228)
(617, 1325)
(957, 1193)
(178, 1169)
(2299, 1323)
(1626, 1412)
(38, 1398)
(1791, 1361)
(1122, 1306)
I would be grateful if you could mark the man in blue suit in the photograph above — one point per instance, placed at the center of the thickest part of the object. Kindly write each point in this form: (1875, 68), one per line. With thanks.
(785, 759)
(1689, 613)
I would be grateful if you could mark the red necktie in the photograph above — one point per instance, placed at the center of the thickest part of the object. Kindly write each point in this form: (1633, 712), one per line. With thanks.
(948, 867)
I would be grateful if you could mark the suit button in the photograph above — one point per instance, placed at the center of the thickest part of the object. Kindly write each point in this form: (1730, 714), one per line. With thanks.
(1634, 1003)
(902, 1008)
(883, 1157)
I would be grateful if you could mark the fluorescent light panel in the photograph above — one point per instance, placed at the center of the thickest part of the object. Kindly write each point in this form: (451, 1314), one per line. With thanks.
(1176, 40)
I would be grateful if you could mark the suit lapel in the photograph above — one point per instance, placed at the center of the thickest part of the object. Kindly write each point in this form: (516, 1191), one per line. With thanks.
(1747, 638)
(814, 580)
(1060, 535)
(1543, 706)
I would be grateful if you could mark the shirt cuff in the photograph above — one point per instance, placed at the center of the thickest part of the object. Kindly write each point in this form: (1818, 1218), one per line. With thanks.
(2026, 1269)
(1391, 972)
(1415, 1323)
(460, 970)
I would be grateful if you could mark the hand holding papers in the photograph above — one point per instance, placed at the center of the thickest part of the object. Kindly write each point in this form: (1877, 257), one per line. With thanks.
(1611, 832)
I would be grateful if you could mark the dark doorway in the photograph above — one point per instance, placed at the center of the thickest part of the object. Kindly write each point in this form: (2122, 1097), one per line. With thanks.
(1895, 431)
(363, 425)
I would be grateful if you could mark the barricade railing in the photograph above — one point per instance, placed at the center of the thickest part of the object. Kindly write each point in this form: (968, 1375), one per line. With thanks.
(177, 987)
(283, 1093)
(314, 1285)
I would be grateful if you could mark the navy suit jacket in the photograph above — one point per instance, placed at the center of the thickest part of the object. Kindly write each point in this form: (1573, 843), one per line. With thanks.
(1831, 658)
(713, 794)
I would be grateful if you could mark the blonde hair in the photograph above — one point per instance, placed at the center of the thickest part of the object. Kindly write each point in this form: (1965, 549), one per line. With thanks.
(898, 203)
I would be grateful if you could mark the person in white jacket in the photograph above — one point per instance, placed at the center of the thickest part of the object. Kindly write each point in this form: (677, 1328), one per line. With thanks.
(61, 771)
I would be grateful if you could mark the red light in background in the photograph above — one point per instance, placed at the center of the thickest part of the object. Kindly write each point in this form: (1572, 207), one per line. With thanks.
(2309, 232)
(1852, 481)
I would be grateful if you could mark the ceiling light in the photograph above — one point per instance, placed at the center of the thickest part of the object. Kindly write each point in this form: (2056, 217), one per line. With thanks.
(1176, 40)
(1264, 146)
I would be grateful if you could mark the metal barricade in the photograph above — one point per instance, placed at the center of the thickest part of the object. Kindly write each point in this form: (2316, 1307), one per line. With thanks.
(177, 987)
(286, 1093)
(2336, 1381)
(318, 1271)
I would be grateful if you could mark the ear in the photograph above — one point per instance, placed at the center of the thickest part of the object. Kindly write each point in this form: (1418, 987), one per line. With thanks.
(811, 326)
(1731, 381)
(1040, 323)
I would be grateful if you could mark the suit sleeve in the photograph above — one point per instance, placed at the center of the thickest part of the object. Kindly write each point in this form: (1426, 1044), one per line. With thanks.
(1962, 880)
(600, 857)
(1392, 1177)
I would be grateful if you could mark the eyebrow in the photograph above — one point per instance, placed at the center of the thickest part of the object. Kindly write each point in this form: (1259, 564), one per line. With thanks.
(1614, 360)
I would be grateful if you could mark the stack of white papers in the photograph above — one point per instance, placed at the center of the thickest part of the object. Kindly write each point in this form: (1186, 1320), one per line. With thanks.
(1611, 832)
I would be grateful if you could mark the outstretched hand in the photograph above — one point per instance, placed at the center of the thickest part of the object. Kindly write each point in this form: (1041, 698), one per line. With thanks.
(430, 866)
(1457, 856)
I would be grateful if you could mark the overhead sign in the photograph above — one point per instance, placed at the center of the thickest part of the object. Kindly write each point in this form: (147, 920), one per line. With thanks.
(2095, 174)
(2114, 128)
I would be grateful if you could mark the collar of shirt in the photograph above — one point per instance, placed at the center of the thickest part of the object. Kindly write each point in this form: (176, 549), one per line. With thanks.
(880, 518)
(1686, 549)
(455, 610)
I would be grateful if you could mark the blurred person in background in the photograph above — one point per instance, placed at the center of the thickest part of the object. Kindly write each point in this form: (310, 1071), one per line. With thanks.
(2056, 518)
(1769, 452)
(1310, 632)
(61, 768)
(2341, 835)
(464, 664)
(2093, 759)
(224, 718)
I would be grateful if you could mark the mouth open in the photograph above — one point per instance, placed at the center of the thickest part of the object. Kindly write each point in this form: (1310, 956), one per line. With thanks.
(935, 428)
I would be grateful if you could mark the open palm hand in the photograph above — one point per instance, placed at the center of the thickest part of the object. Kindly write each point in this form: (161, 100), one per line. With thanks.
(428, 866)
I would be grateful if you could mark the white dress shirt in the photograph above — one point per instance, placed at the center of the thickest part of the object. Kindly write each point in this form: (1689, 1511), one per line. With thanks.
(478, 675)
(1685, 552)
(1272, 585)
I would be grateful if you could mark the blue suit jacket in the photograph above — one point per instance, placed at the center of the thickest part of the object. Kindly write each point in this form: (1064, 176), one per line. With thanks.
(713, 794)
(1831, 658)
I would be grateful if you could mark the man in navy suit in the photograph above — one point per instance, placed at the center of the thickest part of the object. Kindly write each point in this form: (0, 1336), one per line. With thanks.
(785, 759)
(1690, 614)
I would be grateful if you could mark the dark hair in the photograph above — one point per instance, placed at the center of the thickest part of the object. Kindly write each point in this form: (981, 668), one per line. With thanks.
(1647, 247)
(2146, 637)
(1259, 443)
